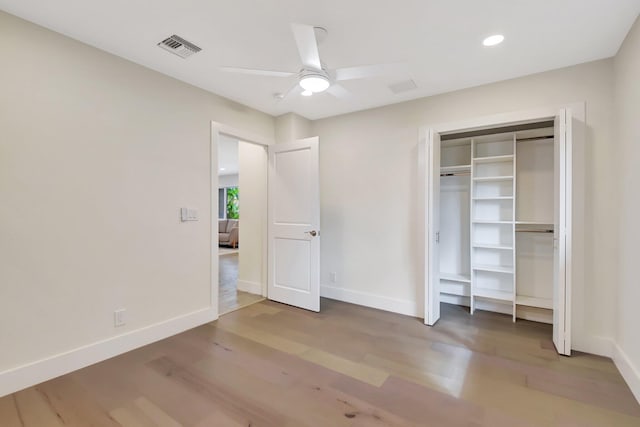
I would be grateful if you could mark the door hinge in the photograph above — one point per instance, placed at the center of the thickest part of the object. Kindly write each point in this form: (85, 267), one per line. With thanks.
(437, 237)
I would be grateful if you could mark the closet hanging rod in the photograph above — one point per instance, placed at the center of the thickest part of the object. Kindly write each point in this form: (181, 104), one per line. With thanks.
(534, 231)
(535, 138)
(456, 174)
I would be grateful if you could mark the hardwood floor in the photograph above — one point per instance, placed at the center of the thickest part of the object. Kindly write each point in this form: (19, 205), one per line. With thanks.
(229, 297)
(274, 365)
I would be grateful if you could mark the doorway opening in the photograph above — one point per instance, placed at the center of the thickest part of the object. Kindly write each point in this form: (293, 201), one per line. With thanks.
(242, 207)
(277, 204)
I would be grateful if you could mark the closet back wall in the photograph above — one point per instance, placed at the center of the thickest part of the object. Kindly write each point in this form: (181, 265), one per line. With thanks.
(368, 168)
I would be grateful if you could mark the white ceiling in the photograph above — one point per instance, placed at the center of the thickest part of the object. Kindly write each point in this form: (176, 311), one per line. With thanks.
(439, 39)
(228, 163)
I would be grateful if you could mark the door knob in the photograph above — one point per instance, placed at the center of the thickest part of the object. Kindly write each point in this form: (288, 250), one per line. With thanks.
(312, 233)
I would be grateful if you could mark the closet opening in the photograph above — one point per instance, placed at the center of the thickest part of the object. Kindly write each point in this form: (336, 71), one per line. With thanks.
(496, 213)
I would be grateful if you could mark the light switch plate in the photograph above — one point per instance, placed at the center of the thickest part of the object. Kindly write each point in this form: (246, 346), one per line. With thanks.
(188, 214)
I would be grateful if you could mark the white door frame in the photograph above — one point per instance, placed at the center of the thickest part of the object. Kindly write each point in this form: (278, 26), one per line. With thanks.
(245, 136)
(512, 118)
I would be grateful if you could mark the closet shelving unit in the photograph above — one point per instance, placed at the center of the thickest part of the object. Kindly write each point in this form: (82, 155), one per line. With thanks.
(496, 226)
(455, 172)
(493, 192)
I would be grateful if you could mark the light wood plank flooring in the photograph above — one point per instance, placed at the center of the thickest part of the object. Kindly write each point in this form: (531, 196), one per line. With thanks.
(273, 365)
(229, 297)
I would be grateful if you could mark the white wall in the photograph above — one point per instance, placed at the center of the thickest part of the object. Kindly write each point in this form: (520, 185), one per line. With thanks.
(253, 217)
(227, 155)
(290, 126)
(368, 168)
(627, 113)
(97, 155)
(225, 181)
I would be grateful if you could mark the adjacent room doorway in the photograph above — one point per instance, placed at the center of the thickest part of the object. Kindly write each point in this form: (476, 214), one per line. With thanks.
(242, 199)
(265, 221)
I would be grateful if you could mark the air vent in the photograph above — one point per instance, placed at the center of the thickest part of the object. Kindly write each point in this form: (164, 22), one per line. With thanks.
(179, 46)
(403, 86)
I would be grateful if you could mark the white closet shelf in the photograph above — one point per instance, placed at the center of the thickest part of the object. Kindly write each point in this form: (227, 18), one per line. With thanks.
(493, 294)
(494, 268)
(493, 198)
(455, 277)
(493, 178)
(494, 159)
(483, 221)
(506, 139)
(550, 224)
(448, 288)
(456, 168)
(534, 302)
(488, 246)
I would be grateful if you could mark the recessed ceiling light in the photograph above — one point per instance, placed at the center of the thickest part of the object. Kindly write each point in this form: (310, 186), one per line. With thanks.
(493, 40)
(307, 93)
(222, 169)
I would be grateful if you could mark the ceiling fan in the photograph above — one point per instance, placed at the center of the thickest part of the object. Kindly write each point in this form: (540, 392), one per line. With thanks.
(314, 76)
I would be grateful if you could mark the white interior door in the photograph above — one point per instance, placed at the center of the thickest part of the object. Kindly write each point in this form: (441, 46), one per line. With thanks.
(294, 224)
(561, 244)
(432, 239)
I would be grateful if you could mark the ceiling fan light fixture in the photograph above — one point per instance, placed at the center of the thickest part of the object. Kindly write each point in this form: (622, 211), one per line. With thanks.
(314, 82)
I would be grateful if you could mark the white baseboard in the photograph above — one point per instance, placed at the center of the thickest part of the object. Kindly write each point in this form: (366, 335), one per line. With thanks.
(24, 376)
(600, 346)
(455, 299)
(526, 313)
(406, 307)
(630, 373)
(251, 287)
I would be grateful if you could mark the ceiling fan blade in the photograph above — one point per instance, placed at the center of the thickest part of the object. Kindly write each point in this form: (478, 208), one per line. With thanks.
(307, 45)
(271, 73)
(361, 72)
(292, 90)
(338, 91)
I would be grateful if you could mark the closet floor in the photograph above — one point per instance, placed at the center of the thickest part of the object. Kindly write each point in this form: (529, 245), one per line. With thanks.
(271, 364)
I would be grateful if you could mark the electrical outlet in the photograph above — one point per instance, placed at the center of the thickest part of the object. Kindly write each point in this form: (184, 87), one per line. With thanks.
(333, 277)
(119, 318)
